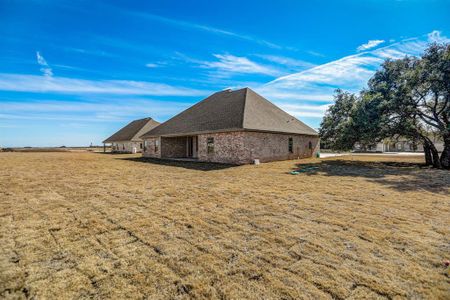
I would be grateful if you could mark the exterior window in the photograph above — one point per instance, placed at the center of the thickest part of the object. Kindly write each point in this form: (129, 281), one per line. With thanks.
(291, 145)
(196, 144)
(210, 145)
(140, 145)
(123, 147)
(156, 146)
(310, 145)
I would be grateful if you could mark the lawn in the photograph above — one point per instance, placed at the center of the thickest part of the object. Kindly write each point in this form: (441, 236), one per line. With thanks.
(91, 225)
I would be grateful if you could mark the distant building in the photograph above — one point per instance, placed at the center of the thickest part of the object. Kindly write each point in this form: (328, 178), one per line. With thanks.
(127, 139)
(235, 127)
(399, 144)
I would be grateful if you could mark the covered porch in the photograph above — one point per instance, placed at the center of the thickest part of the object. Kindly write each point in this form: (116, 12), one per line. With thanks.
(179, 147)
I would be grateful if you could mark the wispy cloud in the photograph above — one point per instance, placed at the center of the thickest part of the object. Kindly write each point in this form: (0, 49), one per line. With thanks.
(91, 120)
(47, 84)
(95, 111)
(347, 70)
(227, 65)
(305, 110)
(205, 28)
(287, 61)
(369, 45)
(90, 52)
(156, 64)
(436, 36)
(315, 53)
(45, 68)
(317, 85)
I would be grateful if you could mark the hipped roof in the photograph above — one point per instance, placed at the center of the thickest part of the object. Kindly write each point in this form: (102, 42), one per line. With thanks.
(229, 110)
(133, 131)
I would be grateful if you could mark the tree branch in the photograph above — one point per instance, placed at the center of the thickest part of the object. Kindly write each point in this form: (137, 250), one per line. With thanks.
(422, 117)
(447, 100)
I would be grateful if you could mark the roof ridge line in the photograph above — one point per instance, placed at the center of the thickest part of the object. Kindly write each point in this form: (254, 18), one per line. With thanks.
(244, 107)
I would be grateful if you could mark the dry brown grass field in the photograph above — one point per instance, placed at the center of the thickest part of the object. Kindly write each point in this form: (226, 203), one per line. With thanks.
(89, 225)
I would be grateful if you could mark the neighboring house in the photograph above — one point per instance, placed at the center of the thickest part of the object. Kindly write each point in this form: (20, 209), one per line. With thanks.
(399, 144)
(127, 139)
(235, 127)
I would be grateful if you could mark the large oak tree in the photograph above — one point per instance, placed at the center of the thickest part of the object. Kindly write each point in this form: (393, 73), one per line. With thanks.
(409, 97)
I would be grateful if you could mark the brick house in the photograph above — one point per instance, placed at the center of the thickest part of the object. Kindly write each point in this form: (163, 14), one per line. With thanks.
(127, 139)
(233, 127)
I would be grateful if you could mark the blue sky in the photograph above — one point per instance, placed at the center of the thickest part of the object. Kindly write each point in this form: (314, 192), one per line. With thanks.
(73, 72)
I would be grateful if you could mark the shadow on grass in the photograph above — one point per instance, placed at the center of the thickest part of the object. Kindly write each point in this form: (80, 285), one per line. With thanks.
(192, 165)
(114, 153)
(401, 176)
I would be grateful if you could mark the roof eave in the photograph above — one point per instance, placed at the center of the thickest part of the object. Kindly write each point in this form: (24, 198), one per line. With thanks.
(191, 133)
(119, 141)
(227, 130)
(280, 132)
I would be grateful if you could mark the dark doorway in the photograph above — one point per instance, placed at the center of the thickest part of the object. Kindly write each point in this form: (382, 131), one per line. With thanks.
(190, 146)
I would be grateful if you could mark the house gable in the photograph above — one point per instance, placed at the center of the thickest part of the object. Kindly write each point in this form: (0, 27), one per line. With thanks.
(132, 131)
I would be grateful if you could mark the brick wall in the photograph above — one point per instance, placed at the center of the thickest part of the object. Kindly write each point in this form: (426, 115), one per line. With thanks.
(240, 147)
(272, 146)
(174, 147)
(150, 149)
(129, 147)
(228, 148)
(243, 147)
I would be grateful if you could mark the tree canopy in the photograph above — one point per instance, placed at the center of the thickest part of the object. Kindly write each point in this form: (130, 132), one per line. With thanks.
(334, 129)
(408, 97)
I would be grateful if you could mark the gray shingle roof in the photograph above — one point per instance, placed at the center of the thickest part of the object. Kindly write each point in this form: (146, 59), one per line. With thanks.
(232, 111)
(133, 131)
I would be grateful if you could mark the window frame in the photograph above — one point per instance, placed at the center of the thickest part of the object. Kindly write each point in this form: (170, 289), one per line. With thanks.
(210, 145)
(291, 145)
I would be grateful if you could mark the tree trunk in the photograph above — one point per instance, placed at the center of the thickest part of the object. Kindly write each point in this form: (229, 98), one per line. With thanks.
(433, 151)
(435, 155)
(427, 150)
(445, 156)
